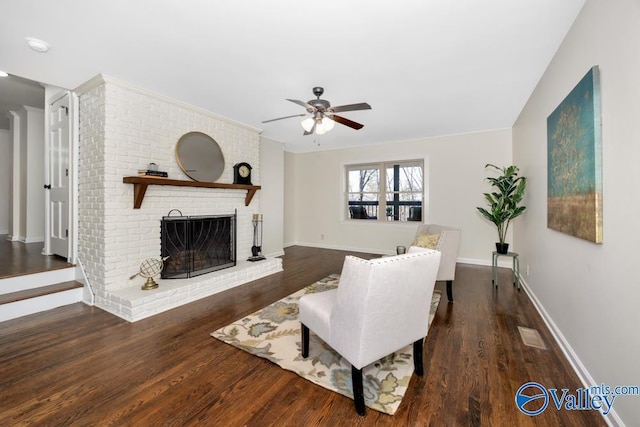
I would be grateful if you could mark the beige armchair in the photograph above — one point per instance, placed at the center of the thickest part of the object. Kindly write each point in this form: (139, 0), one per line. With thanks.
(380, 306)
(447, 241)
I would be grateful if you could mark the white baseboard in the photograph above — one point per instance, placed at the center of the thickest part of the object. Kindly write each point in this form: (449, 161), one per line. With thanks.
(342, 248)
(502, 262)
(32, 239)
(275, 254)
(612, 419)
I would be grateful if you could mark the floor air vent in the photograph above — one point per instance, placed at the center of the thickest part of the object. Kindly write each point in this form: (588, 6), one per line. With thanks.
(531, 337)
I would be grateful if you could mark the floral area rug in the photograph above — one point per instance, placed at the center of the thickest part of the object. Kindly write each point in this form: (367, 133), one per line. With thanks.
(274, 334)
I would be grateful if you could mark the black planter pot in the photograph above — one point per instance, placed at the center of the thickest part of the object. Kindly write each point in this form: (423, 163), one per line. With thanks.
(502, 248)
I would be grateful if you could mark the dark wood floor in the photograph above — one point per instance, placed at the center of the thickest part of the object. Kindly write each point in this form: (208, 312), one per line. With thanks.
(18, 258)
(79, 365)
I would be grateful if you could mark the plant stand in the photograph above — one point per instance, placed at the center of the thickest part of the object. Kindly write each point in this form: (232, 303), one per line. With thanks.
(515, 268)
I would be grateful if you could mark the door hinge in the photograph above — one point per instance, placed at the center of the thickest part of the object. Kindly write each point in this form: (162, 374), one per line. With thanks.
(47, 187)
(66, 110)
(66, 172)
(66, 232)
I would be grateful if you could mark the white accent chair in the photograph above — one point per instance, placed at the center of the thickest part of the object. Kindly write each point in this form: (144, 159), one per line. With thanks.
(447, 243)
(380, 306)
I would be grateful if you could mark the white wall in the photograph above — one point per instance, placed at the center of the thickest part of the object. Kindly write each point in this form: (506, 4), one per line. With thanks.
(272, 175)
(590, 292)
(31, 197)
(6, 157)
(314, 193)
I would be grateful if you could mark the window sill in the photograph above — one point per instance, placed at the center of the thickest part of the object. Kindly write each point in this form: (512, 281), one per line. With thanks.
(380, 223)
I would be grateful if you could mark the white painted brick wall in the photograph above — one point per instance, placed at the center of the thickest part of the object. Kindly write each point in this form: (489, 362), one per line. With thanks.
(122, 129)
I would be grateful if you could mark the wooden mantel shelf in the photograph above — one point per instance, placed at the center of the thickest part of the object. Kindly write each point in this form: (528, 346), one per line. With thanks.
(140, 184)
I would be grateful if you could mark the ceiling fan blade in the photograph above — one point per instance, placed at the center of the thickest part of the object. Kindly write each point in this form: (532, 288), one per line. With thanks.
(302, 103)
(351, 107)
(347, 122)
(285, 117)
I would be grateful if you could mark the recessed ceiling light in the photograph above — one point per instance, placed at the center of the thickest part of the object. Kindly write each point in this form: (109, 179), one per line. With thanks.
(38, 45)
(3, 74)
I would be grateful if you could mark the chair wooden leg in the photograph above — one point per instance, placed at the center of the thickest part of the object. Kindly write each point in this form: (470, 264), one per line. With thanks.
(417, 357)
(450, 290)
(358, 390)
(305, 340)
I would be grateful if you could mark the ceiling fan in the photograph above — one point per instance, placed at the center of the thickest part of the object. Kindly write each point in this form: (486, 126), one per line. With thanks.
(322, 115)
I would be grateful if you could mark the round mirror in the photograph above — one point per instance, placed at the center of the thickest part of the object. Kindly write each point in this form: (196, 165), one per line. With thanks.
(200, 157)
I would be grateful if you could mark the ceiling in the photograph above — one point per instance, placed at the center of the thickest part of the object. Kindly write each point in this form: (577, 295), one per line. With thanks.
(16, 92)
(427, 67)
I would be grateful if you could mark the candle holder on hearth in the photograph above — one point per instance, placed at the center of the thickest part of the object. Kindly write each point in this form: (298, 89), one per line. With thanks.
(256, 249)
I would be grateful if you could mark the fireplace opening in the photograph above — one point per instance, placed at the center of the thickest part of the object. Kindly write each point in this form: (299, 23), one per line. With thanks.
(196, 245)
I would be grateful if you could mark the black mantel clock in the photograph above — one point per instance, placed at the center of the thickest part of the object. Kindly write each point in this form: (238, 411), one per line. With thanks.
(242, 173)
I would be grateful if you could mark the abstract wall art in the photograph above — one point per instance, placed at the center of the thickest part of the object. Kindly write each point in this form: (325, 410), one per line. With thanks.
(574, 162)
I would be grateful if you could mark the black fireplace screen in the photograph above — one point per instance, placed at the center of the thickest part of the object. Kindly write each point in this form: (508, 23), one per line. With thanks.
(197, 245)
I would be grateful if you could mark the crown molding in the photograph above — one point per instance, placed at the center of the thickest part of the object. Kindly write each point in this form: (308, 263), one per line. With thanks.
(101, 79)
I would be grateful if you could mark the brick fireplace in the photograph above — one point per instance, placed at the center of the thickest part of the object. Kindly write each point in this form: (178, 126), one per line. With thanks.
(122, 129)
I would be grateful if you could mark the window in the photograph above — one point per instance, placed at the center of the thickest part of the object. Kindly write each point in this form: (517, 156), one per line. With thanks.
(387, 191)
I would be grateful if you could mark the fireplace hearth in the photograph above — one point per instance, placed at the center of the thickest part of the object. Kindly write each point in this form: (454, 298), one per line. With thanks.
(197, 245)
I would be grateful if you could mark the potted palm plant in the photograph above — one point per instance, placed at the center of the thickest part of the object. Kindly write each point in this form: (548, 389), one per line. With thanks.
(503, 202)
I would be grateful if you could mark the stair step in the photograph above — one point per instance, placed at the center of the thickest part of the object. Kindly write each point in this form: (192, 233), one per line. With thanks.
(14, 284)
(39, 292)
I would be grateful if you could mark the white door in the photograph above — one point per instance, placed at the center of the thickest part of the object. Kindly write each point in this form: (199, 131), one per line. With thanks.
(59, 154)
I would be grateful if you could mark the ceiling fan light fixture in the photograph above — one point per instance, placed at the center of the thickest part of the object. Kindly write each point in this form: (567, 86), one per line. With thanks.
(328, 123)
(323, 124)
(307, 124)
